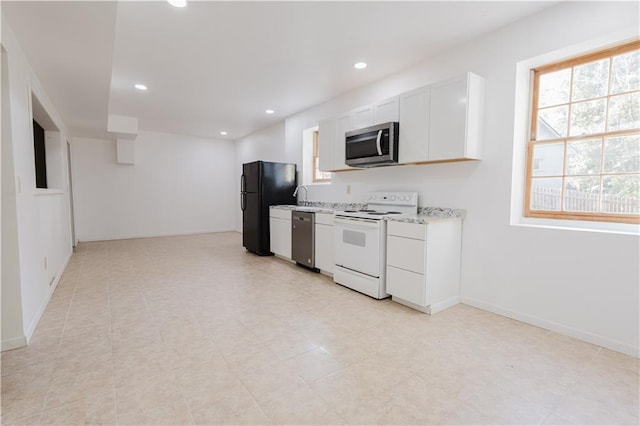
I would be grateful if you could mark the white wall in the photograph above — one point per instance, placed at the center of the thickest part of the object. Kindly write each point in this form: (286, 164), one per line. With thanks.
(12, 330)
(37, 226)
(584, 284)
(178, 185)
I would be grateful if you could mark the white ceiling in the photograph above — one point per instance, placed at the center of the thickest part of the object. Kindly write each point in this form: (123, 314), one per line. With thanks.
(214, 66)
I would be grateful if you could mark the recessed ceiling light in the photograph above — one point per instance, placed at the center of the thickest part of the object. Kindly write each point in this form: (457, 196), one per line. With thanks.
(177, 3)
(223, 133)
(360, 65)
(269, 111)
(140, 86)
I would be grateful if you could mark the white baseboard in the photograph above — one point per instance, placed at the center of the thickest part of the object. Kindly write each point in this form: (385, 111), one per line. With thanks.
(15, 343)
(36, 319)
(445, 304)
(136, 236)
(557, 327)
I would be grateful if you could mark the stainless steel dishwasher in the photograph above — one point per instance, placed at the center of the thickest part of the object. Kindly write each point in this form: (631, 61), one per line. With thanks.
(303, 233)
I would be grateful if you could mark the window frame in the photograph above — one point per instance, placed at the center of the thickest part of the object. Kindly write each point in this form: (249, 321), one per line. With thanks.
(316, 173)
(532, 142)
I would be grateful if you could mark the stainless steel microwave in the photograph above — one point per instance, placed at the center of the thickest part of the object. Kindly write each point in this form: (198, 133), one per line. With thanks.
(372, 146)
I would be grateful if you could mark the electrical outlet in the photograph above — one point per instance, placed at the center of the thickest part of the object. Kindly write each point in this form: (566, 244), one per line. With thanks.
(348, 189)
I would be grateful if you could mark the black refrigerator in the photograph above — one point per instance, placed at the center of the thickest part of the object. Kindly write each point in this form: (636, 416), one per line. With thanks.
(263, 184)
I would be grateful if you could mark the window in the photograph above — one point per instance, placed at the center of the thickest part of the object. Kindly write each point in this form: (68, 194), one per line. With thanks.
(318, 175)
(40, 155)
(583, 154)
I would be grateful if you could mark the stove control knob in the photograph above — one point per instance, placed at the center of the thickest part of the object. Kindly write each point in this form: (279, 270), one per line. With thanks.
(393, 198)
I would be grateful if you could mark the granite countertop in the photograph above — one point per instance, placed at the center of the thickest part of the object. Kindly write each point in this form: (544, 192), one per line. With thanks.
(425, 214)
(429, 214)
(321, 206)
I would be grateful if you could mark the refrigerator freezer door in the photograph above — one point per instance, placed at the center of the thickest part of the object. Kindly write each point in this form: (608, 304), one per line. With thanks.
(252, 177)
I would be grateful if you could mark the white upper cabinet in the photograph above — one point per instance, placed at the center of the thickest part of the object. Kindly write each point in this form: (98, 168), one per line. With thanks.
(331, 143)
(455, 116)
(386, 111)
(326, 145)
(361, 117)
(439, 122)
(343, 125)
(414, 126)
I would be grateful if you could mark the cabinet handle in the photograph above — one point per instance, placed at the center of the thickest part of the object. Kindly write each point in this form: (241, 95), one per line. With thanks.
(378, 142)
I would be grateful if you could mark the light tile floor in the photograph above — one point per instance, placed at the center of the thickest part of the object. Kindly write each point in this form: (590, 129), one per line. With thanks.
(194, 330)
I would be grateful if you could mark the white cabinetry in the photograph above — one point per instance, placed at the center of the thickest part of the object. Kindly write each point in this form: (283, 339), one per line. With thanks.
(414, 126)
(280, 232)
(423, 264)
(386, 110)
(326, 148)
(361, 117)
(342, 126)
(442, 121)
(331, 143)
(455, 117)
(332, 130)
(324, 242)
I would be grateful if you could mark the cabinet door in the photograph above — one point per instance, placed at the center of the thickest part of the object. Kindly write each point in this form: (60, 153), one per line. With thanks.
(342, 126)
(406, 253)
(386, 110)
(324, 247)
(285, 233)
(362, 117)
(326, 133)
(406, 285)
(414, 126)
(448, 119)
(275, 235)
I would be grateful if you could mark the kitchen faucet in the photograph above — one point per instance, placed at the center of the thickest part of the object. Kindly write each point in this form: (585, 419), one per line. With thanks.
(306, 191)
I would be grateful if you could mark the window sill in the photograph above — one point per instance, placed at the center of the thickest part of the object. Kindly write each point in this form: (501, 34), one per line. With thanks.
(47, 191)
(579, 225)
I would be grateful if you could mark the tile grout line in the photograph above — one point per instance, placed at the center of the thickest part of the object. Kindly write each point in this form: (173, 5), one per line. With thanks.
(571, 387)
(113, 370)
(64, 328)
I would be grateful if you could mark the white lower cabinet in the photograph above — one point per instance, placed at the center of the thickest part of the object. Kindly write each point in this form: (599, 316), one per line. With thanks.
(280, 232)
(423, 264)
(324, 242)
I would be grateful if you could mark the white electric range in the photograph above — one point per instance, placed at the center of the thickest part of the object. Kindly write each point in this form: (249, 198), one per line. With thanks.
(360, 241)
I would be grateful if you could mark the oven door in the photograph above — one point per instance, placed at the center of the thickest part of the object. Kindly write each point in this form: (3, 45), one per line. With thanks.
(358, 244)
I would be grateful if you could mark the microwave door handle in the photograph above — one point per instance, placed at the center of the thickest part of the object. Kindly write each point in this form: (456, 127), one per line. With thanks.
(378, 142)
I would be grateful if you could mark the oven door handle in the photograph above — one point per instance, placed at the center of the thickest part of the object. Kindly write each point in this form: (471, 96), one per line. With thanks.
(378, 142)
(365, 223)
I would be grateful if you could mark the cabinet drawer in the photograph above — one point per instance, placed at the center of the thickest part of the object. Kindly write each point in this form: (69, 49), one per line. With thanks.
(406, 253)
(280, 213)
(407, 230)
(324, 218)
(406, 285)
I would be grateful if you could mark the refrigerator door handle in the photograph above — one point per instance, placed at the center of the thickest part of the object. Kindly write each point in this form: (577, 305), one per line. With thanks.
(243, 201)
(242, 183)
